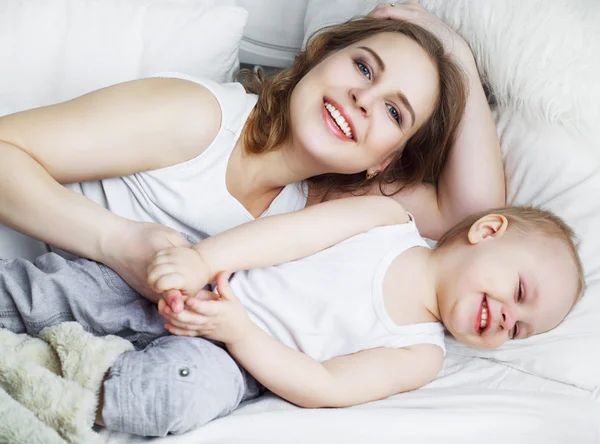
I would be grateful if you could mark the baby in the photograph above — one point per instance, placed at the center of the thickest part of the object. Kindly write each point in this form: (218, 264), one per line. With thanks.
(350, 314)
(364, 318)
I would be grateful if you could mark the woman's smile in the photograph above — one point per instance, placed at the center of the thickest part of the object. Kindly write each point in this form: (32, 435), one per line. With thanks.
(337, 120)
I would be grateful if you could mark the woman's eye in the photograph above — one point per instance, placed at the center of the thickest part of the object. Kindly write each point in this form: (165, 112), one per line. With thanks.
(364, 69)
(515, 331)
(394, 113)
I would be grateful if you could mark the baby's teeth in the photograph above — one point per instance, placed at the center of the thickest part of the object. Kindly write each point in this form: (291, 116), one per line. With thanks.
(484, 316)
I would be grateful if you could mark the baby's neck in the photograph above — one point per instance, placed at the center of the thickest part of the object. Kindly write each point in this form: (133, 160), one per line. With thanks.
(430, 273)
(409, 288)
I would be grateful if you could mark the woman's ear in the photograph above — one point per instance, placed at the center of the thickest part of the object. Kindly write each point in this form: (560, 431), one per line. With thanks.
(489, 226)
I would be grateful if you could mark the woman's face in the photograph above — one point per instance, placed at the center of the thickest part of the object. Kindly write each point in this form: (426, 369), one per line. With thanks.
(358, 106)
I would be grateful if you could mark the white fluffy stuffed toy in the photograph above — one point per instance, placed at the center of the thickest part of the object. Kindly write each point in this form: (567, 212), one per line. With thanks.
(49, 386)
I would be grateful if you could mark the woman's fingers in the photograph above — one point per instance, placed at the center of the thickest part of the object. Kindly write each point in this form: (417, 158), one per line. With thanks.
(412, 11)
(379, 6)
(408, 10)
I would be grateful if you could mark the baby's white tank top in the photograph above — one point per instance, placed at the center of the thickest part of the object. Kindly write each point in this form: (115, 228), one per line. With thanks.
(192, 197)
(331, 303)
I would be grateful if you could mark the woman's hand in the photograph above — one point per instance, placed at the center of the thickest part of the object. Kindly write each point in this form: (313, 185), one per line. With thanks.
(412, 11)
(130, 250)
(220, 317)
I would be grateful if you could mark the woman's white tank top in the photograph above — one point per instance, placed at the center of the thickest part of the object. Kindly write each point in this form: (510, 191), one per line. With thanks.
(192, 197)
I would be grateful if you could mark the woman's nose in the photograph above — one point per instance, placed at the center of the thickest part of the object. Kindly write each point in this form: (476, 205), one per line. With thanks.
(360, 100)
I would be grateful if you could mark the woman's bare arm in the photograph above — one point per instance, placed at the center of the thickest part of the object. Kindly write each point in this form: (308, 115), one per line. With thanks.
(120, 130)
(473, 178)
(116, 131)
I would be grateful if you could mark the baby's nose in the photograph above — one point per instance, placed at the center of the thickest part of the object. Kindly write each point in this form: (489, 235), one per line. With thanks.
(507, 318)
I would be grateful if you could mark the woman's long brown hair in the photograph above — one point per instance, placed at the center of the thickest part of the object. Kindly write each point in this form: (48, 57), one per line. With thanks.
(424, 154)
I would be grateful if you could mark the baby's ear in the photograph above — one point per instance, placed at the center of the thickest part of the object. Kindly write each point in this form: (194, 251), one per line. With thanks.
(488, 227)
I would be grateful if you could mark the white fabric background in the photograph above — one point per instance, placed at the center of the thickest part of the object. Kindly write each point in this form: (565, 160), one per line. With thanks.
(54, 50)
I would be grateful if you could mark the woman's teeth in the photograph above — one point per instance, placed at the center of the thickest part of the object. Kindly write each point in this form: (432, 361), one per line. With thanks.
(339, 119)
(484, 315)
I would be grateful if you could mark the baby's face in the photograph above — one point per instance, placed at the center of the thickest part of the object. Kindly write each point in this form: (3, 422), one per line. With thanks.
(508, 288)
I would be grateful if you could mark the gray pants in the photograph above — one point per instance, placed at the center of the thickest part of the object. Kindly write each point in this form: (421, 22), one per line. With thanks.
(170, 384)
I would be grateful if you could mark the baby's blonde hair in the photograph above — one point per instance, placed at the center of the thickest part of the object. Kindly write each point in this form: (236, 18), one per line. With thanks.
(527, 220)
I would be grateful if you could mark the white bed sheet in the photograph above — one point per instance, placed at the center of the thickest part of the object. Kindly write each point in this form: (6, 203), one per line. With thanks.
(455, 408)
(425, 416)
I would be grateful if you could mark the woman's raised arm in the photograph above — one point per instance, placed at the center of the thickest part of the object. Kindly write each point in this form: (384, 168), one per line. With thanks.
(473, 178)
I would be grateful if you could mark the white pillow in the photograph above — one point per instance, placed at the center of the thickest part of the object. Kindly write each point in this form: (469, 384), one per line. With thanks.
(559, 170)
(273, 35)
(539, 57)
(53, 50)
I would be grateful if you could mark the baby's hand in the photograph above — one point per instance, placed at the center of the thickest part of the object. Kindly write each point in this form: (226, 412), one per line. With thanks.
(178, 274)
(220, 317)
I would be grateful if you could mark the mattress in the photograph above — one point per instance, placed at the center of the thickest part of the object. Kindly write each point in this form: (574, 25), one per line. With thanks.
(457, 407)
(425, 416)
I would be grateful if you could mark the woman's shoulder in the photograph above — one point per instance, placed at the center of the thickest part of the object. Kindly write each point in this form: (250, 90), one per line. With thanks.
(233, 102)
(195, 112)
(206, 118)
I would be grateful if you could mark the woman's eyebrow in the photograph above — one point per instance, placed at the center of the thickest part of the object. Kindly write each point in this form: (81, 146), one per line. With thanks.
(406, 104)
(375, 56)
(400, 95)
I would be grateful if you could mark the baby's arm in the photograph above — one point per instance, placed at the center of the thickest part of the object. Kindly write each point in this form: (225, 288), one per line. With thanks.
(287, 237)
(269, 241)
(343, 381)
(340, 382)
